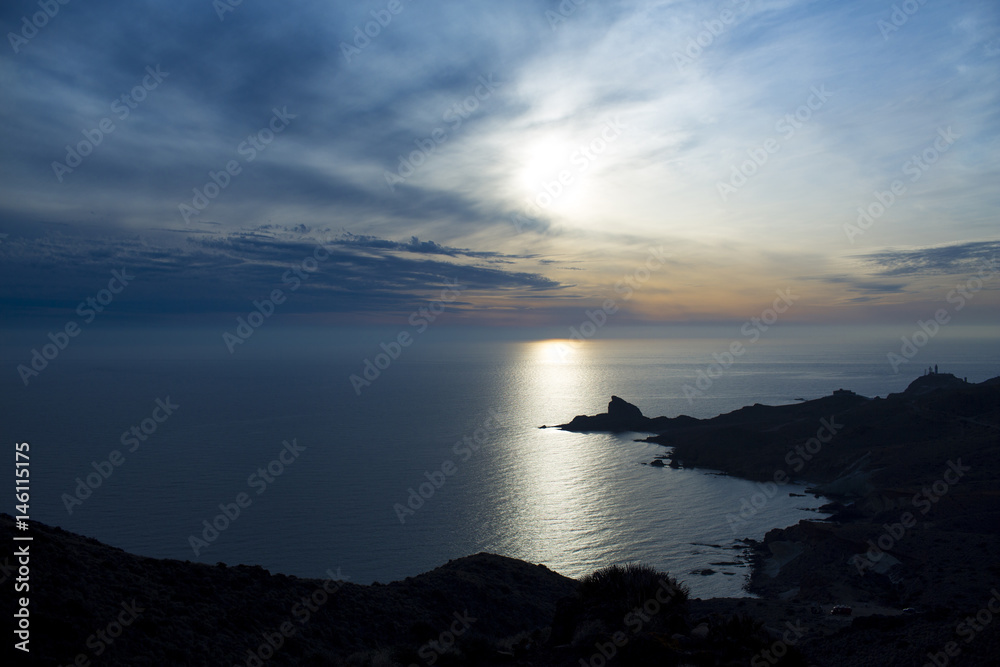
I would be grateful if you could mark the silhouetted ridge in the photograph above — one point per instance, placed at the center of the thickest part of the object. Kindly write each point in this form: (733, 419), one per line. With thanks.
(623, 416)
(933, 382)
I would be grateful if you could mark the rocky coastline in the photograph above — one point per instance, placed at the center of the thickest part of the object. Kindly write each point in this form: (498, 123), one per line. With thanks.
(908, 559)
(910, 548)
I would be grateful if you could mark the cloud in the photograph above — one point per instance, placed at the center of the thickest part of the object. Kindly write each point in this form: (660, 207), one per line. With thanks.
(360, 114)
(952, 259)
(321, 271)
(415, 245)
(861, 285)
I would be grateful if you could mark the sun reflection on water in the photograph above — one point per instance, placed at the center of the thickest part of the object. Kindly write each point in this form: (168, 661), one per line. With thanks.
(559, 506)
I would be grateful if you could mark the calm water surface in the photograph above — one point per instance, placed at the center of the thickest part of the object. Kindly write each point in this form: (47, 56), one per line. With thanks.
(573, 502)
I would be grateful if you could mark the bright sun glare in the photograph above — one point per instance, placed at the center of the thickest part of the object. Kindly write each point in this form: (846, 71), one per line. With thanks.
(541, 167)
(557, 351)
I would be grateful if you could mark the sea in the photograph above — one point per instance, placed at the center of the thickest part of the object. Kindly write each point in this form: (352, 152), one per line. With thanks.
(286, 462)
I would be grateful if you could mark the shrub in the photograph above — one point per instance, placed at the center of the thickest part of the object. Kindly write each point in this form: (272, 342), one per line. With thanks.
(625, 587)
(609, 597)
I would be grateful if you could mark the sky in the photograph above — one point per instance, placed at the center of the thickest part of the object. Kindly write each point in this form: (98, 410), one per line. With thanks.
(518, 164)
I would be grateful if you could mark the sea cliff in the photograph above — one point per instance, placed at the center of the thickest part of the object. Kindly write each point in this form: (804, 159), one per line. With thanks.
(910, 552)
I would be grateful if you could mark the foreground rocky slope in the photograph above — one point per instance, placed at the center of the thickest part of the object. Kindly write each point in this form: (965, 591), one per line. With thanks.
(168, 612)
(911, 548)
(915, 483)
(96, 605)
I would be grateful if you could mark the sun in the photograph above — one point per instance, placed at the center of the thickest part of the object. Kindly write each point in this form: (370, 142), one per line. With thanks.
(545, 177)
(542, 161)
(556, 351)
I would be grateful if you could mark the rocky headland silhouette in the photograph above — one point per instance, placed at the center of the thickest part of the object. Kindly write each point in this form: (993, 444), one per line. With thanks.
(910, 548)
(914, 484)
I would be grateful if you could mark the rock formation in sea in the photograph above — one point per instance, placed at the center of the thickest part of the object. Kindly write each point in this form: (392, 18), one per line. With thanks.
(907, 561)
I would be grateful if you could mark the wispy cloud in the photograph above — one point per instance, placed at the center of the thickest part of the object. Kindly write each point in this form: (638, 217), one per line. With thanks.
(861, 285)
(334, 272)
(954, 259)
(698, 89)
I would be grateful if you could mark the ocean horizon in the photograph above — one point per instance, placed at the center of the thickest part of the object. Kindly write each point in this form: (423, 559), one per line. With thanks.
(289, 464)
(309, 288)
